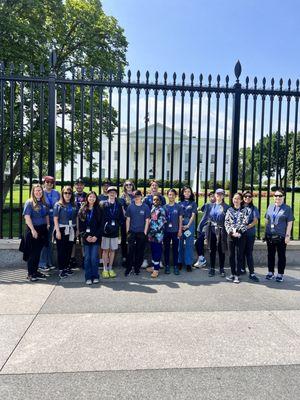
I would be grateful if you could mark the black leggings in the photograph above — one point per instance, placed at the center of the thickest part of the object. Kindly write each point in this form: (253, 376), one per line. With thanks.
(213, 251)
(64, 250)
(280, 247)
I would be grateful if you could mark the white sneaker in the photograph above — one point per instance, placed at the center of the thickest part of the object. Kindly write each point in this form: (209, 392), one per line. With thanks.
(145, 264)
(197, 263)
(202, 261)
(236, 279)
(89, 282)
(161, 265)
(230, 278)
(96, 280)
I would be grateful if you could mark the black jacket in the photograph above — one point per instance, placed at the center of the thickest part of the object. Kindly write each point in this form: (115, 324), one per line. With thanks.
(94, 225)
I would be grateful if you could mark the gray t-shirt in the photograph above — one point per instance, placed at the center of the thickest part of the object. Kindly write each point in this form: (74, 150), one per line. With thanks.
(65, 213)
(138, 216)
(278, 218)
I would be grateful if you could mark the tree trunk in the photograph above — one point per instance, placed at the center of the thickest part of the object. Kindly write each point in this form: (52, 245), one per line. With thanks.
(15, 172)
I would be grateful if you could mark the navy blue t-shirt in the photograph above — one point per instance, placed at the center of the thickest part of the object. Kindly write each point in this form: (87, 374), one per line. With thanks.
(172, 216)
(278, 217)
(38, 215)
(253, 213)
(138, 216)
(79, 199)
(187, 209)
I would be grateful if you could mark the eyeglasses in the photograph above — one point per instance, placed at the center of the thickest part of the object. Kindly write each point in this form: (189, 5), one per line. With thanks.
(70, 193)
(247, 197)
(278, 195)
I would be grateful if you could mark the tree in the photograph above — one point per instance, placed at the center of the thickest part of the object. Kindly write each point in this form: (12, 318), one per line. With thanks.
(83, 36)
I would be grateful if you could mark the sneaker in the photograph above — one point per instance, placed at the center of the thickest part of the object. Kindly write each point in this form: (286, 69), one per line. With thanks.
(112, 273)
(270, 276)
(96, 280)
(243, 271)
(44, 270)
(145, 264)
(105, 274)
(88, 282)
(127, 273)
(41, 276)
(51, 267)
(202, 261)
(180, 266)
(211, 272)
(161, 265)
(63, 274)
(230, 278)
(69, 271)
(32, 278)
(189, 268)
(236, 279)
(222, 272)
(149, 269)
(197, 263)
(167, 269)
(279, 278)
(154, 274)
(176, 270)
(253, 277)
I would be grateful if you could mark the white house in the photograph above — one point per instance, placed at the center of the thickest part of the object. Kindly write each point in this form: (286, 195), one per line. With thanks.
(112, 170)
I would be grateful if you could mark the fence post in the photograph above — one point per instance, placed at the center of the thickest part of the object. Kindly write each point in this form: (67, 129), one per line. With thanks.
(235, 136)
(52, 117)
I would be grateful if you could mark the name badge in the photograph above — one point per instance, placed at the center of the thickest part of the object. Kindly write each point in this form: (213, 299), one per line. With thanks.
(170, 225)
(272, 226)
(113, 223)
(70, 222)
(88, 230)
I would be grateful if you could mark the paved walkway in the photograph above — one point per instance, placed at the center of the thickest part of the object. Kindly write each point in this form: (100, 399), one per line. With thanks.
(186, 337)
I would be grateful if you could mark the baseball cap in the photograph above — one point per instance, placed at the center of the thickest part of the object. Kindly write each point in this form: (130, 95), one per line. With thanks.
(79, 180)
(49, 178)
(112, 188)
(220, 191)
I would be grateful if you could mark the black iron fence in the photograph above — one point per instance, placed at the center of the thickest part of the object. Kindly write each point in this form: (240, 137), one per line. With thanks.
(178, 130)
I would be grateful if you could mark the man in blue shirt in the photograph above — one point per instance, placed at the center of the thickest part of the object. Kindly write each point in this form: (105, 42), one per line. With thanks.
(137, 223)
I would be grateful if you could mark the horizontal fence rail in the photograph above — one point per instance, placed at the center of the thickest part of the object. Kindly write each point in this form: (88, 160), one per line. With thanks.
(178, 130)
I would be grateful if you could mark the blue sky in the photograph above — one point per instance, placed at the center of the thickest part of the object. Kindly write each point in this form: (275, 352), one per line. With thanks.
(209, 36)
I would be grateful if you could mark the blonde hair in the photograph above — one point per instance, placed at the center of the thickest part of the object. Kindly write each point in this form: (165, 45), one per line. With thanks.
(33, 199)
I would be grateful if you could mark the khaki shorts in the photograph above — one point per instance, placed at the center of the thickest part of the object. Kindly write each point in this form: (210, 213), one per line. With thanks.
(109, 243)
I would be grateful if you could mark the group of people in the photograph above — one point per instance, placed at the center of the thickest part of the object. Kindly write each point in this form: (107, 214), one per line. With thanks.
(149, 222)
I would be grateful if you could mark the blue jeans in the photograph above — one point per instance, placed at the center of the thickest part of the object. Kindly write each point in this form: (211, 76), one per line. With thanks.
(91, 261)
(186, 248)
(156, 251)
(46, 257)
(168, 237)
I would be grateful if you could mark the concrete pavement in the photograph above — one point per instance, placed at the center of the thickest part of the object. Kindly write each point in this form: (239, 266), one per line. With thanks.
(186, 337)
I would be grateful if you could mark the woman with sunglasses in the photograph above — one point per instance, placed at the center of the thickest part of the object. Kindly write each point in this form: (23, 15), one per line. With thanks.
(186, 242)
(279, 222)
(36, 216)
(89, 218)
(156, 235)
(65, 215)
(126, 199)
(52, 196)
(253, 217)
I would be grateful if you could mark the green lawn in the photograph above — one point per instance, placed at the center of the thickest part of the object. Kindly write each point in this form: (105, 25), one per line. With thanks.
(16, 200)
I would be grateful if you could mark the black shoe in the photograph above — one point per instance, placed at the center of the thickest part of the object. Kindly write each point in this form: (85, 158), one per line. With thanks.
(69, 271)
(73, 263)
(243, 271)
(82, 263)
(32, 278)
(253, 277)
(179, 266)
(222, 272)
(63, 274)
(41, 276)
(189, 268)
(211, 272)
(137, 272)
(128, 272)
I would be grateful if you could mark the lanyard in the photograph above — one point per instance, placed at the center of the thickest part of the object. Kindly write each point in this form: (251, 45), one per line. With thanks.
(274, 215)
(170, 212)
(89, 216)
(49, 198)
(112, 211)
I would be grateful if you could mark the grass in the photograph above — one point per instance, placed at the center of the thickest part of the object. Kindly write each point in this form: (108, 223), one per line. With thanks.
(16, 201)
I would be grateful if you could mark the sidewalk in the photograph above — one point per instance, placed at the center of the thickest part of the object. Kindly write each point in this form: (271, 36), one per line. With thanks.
(186, 337)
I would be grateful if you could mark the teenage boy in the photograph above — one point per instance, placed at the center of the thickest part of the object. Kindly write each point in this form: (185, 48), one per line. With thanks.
(104, 195)
(137, 223)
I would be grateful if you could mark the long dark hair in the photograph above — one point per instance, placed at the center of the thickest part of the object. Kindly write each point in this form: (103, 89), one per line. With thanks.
(192, 196)
(251, 205)
(85, 207)
(241, 197)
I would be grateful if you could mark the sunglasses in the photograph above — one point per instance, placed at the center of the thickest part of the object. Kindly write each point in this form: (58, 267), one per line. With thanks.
(247, 197)
(128, 184)
(70, 193)
(278, 195)
(49, 182)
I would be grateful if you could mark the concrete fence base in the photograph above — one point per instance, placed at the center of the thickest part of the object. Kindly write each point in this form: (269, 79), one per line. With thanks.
(10, 255)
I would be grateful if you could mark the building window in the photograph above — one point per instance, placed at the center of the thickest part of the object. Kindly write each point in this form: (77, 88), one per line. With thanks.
(227, 158)
(168, 175)
(116, 156)
(168, 157)
(186, 175)
(115, 173)
(211, 176)
(75, 173)
(186, 157)
(103, 173)
(103, 155)
(212, 158)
